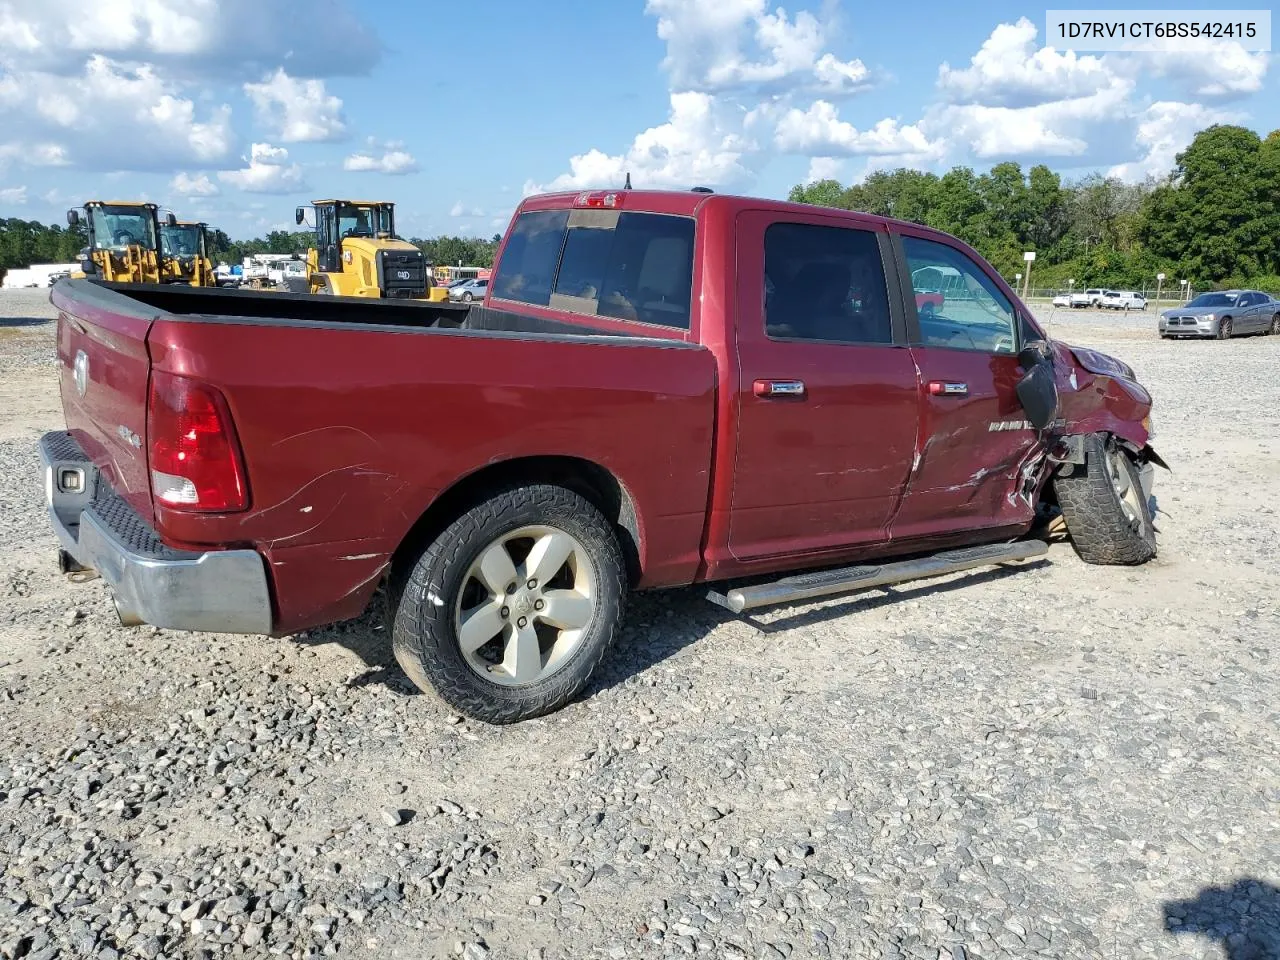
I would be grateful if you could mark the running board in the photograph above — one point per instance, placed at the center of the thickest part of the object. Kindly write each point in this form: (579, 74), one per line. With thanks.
(810, 586)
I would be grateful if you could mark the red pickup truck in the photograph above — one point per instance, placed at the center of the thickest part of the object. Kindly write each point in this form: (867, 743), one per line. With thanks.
(659, 388)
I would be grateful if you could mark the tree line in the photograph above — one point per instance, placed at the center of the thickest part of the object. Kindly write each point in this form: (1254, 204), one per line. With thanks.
(1213, 220)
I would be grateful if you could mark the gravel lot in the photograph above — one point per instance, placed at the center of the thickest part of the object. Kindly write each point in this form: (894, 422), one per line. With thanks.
(1060, 761)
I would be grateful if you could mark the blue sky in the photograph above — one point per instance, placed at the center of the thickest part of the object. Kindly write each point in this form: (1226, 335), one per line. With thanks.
(235, 111)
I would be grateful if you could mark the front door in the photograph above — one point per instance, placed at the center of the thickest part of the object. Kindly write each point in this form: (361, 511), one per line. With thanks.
(827, 400)
(977, 448)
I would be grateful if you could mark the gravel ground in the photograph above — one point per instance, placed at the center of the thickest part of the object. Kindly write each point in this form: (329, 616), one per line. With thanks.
(1059, 761)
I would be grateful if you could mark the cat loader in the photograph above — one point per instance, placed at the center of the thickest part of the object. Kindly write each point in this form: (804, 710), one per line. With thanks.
(357, 253)
(124, 239)
(184, 254)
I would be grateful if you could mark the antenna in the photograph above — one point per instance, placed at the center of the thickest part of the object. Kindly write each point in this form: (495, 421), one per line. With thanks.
(627, 185)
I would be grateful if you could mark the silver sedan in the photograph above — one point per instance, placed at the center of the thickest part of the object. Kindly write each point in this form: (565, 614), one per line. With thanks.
(1224, 314)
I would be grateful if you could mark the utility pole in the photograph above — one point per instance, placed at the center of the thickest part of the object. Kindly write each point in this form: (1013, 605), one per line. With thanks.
(1029, 257)
(1159, 284)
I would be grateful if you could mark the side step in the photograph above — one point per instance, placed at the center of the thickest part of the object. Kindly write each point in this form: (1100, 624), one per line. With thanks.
(809, 586)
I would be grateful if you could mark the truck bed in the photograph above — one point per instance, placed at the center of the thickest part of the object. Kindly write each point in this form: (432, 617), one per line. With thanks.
(355, 416)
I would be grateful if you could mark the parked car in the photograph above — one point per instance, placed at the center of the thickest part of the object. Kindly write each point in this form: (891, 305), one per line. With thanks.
(468, 290)
(1222, 315)
(1124, 300)
(626, 410)
(1088, 298)
(1062, 300)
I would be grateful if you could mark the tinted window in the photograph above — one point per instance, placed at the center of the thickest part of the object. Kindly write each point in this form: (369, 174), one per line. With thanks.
(529, 260)
(633, 266)
(958, 304)
(824, 283)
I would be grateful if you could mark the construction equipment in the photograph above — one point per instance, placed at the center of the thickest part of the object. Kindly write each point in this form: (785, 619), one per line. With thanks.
(123, 240)
(184, 254)
(357, 253)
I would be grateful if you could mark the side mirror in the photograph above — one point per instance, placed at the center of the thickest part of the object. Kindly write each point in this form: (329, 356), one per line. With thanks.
(73, 218)
(170, 220)
(1037, 391)
(299, 215)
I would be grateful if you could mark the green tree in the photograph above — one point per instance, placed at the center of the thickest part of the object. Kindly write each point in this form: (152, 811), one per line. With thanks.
(821, 193)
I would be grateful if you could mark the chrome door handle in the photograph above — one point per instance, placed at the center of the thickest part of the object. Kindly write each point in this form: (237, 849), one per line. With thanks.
(947, 388)
(778, 388)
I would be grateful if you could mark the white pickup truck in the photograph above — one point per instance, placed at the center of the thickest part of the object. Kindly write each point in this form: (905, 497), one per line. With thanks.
(1088, 298)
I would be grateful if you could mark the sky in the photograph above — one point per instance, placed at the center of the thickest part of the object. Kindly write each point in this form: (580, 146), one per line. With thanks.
(236, 111)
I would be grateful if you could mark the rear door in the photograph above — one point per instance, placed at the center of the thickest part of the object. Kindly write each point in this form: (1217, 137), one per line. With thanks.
(826, 399)
(1256, 323)
(976, 445)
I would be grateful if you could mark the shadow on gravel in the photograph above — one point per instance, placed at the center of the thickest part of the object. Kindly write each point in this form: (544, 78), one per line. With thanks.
(1244, 917)
(369, 638)
(25, 321)
(658, 626)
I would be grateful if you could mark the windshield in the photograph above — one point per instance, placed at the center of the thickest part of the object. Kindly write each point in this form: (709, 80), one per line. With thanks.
(1214, 300)
(358, 220)
(182, 240)
(115, 228)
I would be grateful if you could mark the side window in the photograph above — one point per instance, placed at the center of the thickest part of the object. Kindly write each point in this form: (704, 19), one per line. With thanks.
(824, 283)
(958, 304)
(632, 266)
(528, 264)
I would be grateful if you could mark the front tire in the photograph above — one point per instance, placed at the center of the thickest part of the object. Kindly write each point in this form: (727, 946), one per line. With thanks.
(510, 610)
(1224, 329)
(1107, 515)
(467, 297)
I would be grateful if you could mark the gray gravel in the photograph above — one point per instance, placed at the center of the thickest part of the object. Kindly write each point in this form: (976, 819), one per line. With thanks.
(1060, 761)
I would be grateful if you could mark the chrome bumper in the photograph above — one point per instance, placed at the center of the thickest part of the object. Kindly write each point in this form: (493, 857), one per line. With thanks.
(220, 591)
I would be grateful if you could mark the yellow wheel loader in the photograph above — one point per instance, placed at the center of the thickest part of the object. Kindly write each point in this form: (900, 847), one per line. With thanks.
(357, 253)
(123, 240)
(184, 254)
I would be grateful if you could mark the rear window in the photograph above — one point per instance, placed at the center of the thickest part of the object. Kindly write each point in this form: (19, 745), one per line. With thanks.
(529, 259)
(631, 266)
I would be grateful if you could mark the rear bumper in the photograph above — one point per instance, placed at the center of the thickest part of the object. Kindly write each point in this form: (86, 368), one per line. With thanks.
(220, 591)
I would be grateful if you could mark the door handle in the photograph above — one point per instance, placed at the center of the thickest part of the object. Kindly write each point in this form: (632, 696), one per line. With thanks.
(948, 388)
(778, 388)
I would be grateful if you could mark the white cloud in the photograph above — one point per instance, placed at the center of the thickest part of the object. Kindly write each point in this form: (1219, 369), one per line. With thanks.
(1009, 70)
(297, 111)
(820, 130)
(1164, 130)
(734, 44)
(1060, 128)
(33, 154)
(109, 116)
(1222, 70)
(13, 195)
(268, 171)
(390, 158)
(824, 168)
(230, 38)
(460, 209)
(187, 185)
(703, 142)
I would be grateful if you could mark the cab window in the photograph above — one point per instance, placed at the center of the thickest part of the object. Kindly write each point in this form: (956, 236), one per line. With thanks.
(959, 306)
(824, 283)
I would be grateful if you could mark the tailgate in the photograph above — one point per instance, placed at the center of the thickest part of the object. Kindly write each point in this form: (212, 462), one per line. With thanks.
(103, 370)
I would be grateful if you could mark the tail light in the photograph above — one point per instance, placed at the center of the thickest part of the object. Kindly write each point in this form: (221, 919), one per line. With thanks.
(195, 457)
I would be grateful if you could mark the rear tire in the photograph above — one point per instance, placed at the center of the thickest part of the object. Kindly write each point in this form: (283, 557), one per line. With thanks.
(479, 579)
(1274, 329)
(1107, 516)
